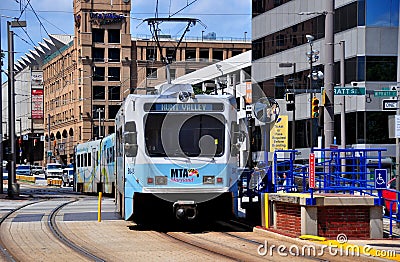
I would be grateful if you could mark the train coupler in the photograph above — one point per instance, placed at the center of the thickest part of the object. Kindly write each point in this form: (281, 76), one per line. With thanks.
(185, 210)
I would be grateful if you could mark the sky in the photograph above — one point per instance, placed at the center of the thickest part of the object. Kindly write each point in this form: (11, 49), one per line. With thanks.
(227, 18)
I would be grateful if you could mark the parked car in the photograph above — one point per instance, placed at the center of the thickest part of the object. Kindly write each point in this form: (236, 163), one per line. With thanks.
(23, 170)
(389, 195)
(37, 170)
(54, 170)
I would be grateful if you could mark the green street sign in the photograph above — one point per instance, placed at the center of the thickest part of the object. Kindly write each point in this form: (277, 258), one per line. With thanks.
(385, 93)
(348, 91)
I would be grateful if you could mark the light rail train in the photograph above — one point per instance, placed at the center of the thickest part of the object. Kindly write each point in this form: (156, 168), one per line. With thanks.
(175, 154)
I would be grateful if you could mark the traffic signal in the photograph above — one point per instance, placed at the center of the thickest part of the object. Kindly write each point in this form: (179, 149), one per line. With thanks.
(314, 107)
(34, 142)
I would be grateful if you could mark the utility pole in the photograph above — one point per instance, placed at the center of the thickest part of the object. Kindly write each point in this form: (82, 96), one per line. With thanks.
(13, 187)
(49, 140)
(329, 73)
(343, 107)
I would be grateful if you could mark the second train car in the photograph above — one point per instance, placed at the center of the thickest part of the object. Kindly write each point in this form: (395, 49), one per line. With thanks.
(95, 166)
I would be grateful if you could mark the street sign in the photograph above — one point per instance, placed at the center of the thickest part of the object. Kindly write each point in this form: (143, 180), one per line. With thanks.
(380, 178)
(42, 138)
(389, 105)
(49, 153)
(311, 179)
(348, 91)
(385, 93)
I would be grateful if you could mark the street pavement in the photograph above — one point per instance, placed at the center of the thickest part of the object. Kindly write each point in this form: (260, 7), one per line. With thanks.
(26, 195)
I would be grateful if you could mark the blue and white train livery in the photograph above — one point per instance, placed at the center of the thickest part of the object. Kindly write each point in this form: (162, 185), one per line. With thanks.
(176, 154)
(95, 166)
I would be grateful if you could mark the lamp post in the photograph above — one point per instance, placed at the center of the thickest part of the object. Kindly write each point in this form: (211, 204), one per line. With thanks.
(202, 35)
(245, 34)
(329, 73)
(282, 65)
(12, 188)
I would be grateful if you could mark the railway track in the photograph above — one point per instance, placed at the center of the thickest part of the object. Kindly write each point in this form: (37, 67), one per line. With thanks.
(18, 244)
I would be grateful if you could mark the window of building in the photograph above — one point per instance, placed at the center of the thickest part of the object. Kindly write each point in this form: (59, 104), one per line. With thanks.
(98, 35)
(190, 54)
(383, 13)
(170, 53)
(315, 26)
(114, 36)
(172, 72)
(381, 68)
(98, 93)
(151, 73)
(114, 74)
(151, 53)
(98, 54)
(96, 113)
(112, 111)
(218, 54)
(280, 40)
(204, 54)
(111, 129)
(114, 93)
(98, 73)
(114, 55)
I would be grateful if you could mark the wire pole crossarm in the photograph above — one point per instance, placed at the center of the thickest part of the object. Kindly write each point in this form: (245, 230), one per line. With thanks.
(154, 22)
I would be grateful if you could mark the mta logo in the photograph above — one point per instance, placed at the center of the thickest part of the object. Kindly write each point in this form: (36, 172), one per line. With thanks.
(183, 172)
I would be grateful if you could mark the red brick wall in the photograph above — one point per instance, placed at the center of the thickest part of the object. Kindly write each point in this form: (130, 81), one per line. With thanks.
(350, 220)
(288, 218)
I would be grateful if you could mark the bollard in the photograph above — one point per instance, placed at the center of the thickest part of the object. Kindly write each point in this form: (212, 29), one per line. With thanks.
(99, 207)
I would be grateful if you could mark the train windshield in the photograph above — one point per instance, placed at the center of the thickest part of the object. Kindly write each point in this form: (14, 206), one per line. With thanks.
(186, 135)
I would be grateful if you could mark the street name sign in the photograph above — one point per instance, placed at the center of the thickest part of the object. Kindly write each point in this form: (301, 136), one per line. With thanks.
(389, 105)
(385, 93)
(348, 91)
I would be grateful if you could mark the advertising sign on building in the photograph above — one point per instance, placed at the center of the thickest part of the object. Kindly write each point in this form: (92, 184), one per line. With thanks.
(37, 103)
(279, 134)
(249, 93)
(37, 79)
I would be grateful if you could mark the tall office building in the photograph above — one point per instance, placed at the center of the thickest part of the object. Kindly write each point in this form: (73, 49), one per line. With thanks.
(369, 29)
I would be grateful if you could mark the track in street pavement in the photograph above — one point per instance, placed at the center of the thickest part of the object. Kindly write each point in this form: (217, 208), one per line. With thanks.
(16, 246)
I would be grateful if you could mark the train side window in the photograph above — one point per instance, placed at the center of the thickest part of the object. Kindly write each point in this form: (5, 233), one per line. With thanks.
(130, 139)
(90, 159)
(85, 160)
(78, 160)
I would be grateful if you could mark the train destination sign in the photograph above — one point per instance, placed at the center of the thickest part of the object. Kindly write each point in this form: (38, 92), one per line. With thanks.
(184, 107)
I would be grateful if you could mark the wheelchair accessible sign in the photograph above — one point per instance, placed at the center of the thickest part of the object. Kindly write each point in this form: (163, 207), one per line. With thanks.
(380, 178)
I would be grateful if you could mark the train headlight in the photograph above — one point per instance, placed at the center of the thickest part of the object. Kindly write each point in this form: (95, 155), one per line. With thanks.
(161, 180)
(208, 180)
